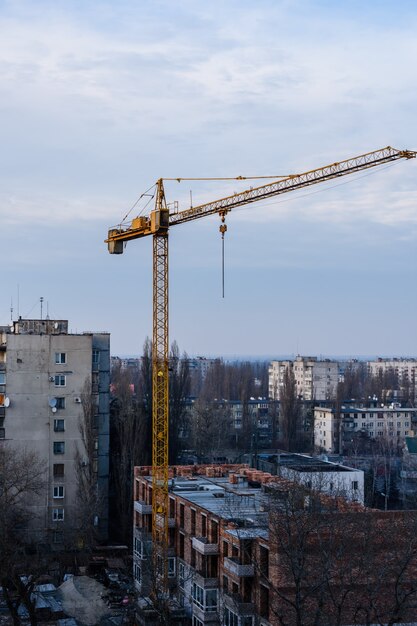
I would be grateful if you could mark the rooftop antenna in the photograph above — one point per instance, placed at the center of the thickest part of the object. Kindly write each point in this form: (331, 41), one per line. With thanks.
(41, 299)
(47, 309)
(11, 309)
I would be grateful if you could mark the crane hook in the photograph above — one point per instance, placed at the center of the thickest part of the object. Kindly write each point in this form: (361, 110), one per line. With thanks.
(223, 229)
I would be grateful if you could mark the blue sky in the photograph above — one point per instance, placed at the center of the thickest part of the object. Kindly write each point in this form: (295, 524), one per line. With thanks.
(99, 99)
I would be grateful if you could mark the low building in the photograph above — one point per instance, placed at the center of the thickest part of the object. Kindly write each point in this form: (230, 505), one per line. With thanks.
(316, 473)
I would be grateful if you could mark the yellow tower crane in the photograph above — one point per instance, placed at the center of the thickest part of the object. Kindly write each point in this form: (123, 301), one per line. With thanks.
(158, 224)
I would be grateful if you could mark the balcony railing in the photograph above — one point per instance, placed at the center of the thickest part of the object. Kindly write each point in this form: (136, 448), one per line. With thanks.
(202, 545)
(143, 508)
(238, 569)
(202, 580)
(235, 602)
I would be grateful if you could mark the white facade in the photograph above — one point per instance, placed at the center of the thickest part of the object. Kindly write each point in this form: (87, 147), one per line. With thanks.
(340, 481)
(389, 422)
(326, 430)
(45, 374)
(405, 369)
(314, 380)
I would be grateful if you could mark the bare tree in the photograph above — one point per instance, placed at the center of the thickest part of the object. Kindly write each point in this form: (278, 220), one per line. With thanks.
(22, 477)
(210, 428)
(179, 389)
(128, 437)
(89, 500)
(290, 414)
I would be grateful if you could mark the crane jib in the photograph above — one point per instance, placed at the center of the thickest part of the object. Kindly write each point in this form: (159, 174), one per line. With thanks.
(292, 183)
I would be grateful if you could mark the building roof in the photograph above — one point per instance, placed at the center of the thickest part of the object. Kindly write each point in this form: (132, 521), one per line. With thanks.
(304, 463)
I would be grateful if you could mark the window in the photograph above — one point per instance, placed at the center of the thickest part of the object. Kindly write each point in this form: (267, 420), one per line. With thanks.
(60, 403)
(60, 380)
(230, 618)
(96, 357)
(204, 525)
(59, 447)
(59, 426)
(2, 433)
(355, 485)
(60, 358)
(137, 573)
(172, 566)
(193, 516)
(59, 491)
(182, 515)
(205, 599)
(264, 601)
(2, 378)
(264, 561)
(197, 622)
(181, 574)
(58, 515)
(58, 469)
(58, 536)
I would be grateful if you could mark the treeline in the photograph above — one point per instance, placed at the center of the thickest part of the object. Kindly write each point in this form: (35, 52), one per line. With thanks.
(189, 391)
(386, 386)
(238, 380)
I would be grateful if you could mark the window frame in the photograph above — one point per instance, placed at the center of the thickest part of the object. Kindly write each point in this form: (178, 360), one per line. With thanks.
(60, 358)
(58, 514)
(59, 447)
(57, 490)
(59, 421)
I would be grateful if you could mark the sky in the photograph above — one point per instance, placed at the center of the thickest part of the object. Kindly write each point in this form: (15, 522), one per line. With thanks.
(100, 99)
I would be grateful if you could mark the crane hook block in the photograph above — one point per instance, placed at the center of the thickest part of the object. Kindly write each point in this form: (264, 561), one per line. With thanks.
(223, 228)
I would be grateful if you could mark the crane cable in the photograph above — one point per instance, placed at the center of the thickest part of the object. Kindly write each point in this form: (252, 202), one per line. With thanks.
(310, 193)
(145, 193)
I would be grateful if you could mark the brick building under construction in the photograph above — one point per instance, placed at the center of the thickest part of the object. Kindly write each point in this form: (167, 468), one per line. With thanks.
(247, 548)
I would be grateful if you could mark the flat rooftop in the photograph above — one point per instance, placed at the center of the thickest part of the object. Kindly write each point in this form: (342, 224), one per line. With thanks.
(304, 463)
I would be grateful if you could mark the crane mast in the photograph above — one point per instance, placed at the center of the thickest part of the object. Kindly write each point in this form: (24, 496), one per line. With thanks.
(157, 225)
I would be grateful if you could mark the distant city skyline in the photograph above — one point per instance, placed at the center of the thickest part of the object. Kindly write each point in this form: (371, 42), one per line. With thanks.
(98, 101)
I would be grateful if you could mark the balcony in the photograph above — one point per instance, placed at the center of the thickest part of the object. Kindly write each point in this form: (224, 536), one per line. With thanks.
(204, 581)
(143, 508)
(238, 569)
(235, 603)
(202, 545)
(207, 617)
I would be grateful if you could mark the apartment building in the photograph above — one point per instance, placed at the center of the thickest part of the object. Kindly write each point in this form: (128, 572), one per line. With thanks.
(49, 381)
(222, 555)
(333, 430)
(404, 369)
(314, 379)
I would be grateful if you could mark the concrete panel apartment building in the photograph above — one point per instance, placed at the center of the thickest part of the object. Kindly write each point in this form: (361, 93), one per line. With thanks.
(47, 376)
(314, 379)
(333, 430)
